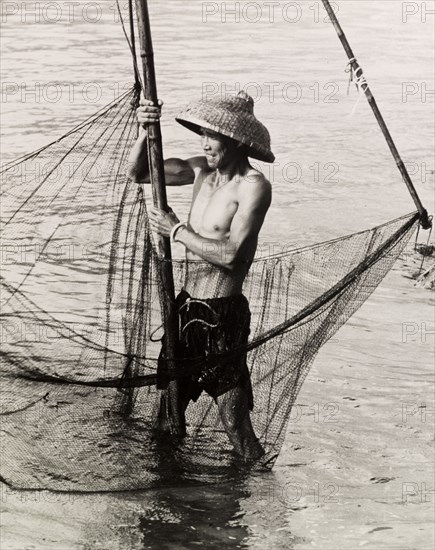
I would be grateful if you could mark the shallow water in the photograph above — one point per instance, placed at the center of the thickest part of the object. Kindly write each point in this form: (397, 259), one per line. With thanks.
(354, 471)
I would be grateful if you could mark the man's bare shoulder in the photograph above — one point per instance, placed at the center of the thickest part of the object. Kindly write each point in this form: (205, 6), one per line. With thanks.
(192, 163)
(198, 163)
(256, 187)
(184, 172)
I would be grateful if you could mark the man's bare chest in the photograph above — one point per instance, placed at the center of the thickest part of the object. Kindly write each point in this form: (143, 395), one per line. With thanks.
(214, 207)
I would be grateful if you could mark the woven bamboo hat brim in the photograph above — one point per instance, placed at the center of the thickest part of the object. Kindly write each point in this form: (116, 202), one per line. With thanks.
(232, 117)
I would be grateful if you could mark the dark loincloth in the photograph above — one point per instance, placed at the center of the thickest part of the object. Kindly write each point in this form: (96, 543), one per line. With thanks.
(208, 328)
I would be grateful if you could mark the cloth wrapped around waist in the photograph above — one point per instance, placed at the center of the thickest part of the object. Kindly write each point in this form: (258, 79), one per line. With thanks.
(212, 335)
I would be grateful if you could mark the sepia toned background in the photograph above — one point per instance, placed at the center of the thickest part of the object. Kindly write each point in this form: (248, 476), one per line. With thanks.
(356, 467)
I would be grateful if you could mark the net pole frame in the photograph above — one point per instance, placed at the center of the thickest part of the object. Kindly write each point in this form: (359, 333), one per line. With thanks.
(170, 410)
(425, 221)
(133, 45)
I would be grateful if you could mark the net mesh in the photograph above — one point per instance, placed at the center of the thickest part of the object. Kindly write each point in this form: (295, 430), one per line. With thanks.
(81, 322)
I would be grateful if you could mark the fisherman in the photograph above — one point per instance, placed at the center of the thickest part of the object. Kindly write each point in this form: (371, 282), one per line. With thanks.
(229, 203)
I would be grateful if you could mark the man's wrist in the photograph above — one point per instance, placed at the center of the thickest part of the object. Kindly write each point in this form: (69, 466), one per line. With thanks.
(182, 231)
(174, 231)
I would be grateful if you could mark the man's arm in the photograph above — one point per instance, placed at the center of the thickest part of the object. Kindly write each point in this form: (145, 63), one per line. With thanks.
(177, 171)
(255, 198)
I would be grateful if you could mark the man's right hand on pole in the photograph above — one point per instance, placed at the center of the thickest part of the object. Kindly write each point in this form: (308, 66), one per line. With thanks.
(148, 113)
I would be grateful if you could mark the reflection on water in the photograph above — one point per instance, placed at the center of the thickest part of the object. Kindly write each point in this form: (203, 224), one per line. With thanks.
(249, 513)
(205, 517)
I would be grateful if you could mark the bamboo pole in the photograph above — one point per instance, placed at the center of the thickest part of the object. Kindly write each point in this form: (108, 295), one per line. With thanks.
(133, 45)
(171, 415)
(425, 221)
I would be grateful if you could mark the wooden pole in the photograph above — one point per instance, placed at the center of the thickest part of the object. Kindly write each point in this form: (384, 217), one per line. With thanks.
(171, 416)
(133, 44)
(425, 221)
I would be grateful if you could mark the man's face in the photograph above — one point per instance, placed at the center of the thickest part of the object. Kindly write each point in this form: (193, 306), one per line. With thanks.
(216, 149)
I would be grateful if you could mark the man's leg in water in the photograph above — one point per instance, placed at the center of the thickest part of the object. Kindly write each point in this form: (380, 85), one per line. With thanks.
(234, 412)
(171, 418)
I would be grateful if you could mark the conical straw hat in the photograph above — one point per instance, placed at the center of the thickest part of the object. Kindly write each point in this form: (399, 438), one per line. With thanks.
(232, 117)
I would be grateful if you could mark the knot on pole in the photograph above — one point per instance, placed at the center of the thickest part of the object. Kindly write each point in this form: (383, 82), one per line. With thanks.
(425, 220)
(356, 75)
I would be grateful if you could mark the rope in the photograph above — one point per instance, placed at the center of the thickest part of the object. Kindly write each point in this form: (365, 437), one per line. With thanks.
(131, 43)
(187, 305)
(356, 75)
(424, 256)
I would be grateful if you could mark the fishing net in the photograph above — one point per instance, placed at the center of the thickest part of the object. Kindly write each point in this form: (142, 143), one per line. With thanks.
(81, 323)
